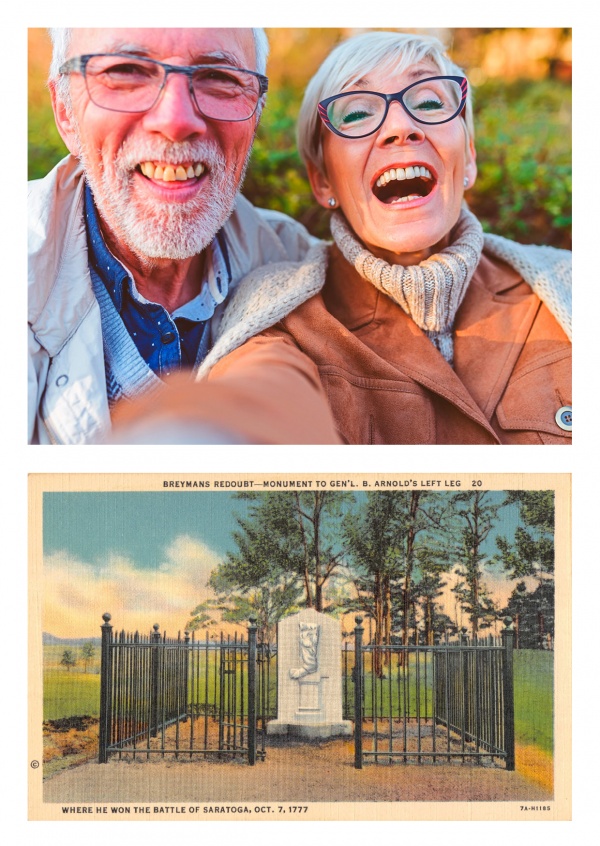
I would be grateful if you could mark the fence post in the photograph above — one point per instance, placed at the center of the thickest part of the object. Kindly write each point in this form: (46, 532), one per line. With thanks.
(252, 628)
(358, 694)
(155, 639)
(508, 637)
(105, 690)
(186, 672)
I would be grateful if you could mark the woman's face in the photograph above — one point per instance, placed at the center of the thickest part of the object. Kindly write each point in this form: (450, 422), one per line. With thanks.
(400, 220)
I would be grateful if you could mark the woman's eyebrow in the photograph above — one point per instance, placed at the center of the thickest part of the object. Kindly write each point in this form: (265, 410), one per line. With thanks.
(417, 73)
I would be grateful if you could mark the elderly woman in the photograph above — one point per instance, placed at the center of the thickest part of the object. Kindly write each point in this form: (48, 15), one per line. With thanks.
(421, 329)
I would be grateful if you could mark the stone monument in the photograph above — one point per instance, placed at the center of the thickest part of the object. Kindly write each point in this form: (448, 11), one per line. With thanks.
(309, 677)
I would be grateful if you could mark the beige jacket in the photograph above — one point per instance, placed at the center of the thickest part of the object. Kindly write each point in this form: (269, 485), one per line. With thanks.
(66, 379)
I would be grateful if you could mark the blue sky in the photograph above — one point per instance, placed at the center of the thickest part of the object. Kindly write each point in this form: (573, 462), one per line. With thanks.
(146, 556)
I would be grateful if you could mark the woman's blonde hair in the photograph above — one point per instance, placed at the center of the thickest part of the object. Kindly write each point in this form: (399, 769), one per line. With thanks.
(357, 57)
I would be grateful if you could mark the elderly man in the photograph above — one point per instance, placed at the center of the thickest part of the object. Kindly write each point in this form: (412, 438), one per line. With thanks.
(139, 236)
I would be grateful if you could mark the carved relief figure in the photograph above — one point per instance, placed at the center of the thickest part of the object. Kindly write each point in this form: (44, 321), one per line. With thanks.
(309, 639)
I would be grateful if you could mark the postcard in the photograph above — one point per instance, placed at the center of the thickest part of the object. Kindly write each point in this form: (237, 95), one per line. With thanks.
(307, 647)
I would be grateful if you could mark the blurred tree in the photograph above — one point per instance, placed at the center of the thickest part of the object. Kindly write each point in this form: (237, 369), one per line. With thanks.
(88, 650)
(68, 659)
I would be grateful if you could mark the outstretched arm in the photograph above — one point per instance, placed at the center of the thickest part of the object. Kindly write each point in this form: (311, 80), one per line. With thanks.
(265, 392)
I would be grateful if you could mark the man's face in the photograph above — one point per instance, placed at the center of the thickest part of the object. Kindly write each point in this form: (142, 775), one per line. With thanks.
(152, 217)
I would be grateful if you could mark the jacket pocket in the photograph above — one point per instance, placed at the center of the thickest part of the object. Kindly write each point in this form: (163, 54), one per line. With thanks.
(532, 399)
(378, 411)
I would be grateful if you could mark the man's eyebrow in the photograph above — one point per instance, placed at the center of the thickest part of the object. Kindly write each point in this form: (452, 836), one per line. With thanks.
(126, 47)
(217, 57)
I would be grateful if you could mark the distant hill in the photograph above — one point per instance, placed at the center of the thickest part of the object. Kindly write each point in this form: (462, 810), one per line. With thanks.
(51, 640)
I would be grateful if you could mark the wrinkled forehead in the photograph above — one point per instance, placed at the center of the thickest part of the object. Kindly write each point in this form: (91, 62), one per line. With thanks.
(393, 75)
(231, 46)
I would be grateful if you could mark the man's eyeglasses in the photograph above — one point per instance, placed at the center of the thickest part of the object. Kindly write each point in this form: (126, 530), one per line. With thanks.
(356, 114)
(123, 82)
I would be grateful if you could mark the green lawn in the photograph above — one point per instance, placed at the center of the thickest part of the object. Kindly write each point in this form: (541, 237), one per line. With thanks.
(534, 674)
(74, 693)
(70, 694)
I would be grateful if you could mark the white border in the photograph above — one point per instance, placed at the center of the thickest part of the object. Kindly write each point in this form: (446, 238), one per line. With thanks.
(580, 459)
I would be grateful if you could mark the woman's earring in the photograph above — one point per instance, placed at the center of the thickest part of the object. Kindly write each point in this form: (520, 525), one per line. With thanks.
(332, 202)
(466, 182)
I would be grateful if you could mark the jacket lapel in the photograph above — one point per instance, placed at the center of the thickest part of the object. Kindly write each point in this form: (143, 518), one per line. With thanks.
(484, 359)
(491, 329)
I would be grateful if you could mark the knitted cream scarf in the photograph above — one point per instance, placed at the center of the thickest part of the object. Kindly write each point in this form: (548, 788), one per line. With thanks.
(430, 292)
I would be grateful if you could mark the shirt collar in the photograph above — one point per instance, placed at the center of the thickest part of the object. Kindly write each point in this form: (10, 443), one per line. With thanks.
(110, 270)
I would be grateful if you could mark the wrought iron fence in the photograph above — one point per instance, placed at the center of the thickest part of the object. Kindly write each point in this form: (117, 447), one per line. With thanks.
(182, 696)
(433, 703)
(185, 697)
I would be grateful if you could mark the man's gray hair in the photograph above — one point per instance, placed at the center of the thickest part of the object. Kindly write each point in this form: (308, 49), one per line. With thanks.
(61, 39)
(357, 57)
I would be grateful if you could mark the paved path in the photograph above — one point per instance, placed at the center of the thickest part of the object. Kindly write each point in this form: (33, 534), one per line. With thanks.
(316, 773)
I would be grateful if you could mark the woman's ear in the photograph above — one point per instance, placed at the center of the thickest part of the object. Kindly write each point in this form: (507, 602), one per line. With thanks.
(320, 185)
(64, 120)
(470, 164)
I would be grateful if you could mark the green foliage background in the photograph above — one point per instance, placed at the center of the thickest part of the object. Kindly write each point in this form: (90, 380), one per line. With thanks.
(523, 141)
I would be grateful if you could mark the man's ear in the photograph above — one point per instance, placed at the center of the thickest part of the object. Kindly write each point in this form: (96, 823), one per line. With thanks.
(320, 185)
(64, 120)
(470, 163)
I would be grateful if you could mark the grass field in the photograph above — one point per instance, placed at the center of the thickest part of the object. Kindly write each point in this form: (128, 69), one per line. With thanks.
(70, 693)
(534, 675)
(74, 693)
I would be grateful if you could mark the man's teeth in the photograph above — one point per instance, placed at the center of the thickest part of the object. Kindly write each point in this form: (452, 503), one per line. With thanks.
(403, 173)
(171, 173)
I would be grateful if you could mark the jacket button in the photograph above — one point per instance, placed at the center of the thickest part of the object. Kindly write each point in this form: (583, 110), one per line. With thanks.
(168, 337)
(564, 418)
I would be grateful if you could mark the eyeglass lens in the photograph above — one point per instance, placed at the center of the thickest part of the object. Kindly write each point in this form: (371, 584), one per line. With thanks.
(430, 101)
(133, 85)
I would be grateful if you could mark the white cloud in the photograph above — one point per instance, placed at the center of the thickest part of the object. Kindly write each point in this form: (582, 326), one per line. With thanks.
(77, 593)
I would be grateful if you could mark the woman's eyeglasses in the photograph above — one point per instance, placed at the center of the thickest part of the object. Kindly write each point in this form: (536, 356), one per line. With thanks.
(356, 114)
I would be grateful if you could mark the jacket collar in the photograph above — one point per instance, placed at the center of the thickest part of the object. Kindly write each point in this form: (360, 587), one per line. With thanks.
(265, 297)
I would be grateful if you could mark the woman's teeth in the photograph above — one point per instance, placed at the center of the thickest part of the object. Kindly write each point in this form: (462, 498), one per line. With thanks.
(403, 173)
(171, 173)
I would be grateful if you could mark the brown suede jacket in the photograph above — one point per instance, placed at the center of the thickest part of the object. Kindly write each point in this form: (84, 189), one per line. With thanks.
(387, 384)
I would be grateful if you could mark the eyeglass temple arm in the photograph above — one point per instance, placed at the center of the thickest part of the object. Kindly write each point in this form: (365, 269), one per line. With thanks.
(77, 63)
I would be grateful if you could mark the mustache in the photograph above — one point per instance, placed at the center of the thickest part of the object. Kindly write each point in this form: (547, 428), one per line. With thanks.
(133, 152)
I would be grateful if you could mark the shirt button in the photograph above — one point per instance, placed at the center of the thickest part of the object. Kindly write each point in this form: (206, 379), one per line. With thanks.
(168, 337)
(564, 418)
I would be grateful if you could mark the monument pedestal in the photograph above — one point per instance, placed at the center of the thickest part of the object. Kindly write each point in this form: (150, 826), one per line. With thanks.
(310, 731)
(309, 678)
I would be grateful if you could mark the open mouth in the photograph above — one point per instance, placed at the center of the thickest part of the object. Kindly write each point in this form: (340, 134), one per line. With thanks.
(163, 172)
(401, 185)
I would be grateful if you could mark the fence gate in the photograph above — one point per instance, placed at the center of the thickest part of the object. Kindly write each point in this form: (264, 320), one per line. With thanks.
(183, 697)
(434, 703)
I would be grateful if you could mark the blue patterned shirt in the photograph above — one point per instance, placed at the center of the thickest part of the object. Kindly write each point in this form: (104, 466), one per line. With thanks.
(166, 342)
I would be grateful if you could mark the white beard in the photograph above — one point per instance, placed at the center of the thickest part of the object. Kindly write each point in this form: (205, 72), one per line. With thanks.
(159, 229)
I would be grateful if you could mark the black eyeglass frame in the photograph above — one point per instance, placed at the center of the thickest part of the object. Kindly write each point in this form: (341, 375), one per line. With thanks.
(78, 64)
(391, 98)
